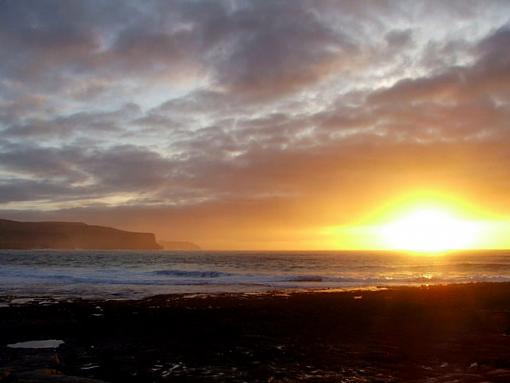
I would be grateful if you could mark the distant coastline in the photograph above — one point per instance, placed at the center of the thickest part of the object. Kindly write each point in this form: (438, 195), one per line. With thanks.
(179, 245)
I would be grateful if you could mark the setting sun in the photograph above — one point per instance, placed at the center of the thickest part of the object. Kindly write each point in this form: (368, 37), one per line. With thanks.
(429, 230)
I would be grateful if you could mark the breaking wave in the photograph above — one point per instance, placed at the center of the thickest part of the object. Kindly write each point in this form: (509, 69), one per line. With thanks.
(130, 274)
(191, 273)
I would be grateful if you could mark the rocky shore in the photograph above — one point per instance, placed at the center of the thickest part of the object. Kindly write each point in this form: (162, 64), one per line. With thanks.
(456, 333)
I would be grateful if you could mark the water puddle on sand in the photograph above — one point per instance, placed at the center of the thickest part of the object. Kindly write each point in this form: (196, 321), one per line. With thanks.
(48, 343)
(89, 366)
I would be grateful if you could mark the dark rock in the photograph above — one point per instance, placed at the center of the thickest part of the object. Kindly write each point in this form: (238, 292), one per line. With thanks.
(421, 335)
(49, 375)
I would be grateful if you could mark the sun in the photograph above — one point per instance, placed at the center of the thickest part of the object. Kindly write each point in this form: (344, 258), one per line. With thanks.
(429, 230)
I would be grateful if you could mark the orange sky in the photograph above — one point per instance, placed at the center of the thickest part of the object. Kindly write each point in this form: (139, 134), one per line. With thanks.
(255, 125)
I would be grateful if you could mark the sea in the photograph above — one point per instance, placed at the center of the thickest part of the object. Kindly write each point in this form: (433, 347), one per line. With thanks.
(63, 274)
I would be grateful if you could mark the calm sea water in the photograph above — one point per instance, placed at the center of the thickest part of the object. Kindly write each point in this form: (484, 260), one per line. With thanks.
(136, 274)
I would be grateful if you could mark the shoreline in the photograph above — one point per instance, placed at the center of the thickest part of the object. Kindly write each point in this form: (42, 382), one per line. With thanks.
(14, 300)
(11, 300)
(421, 334)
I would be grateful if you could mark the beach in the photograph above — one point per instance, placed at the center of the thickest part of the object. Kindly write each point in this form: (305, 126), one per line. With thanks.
(254, 191)
(446, 333)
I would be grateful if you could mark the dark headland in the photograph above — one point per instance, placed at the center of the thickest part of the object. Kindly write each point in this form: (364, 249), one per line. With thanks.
(455, 333)
(70, 235)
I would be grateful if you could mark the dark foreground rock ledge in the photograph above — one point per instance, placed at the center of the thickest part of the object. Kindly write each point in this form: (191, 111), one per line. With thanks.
(457, 333)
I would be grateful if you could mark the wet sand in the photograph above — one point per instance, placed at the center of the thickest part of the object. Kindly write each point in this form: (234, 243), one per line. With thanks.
(456, 333)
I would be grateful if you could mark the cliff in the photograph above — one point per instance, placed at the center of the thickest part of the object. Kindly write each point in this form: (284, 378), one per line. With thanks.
(70, 235)
(179, 245)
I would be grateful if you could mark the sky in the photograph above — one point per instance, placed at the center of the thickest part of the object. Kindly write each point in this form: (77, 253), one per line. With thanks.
(252, 124)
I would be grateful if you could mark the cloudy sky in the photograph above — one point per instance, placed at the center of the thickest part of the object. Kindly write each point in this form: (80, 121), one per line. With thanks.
(250, 124)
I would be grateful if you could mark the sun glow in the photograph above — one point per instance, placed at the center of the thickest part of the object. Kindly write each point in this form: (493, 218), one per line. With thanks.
(429, 230)
(425, 223)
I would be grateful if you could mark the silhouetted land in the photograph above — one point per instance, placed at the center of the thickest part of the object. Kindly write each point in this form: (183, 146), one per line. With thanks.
(70, 235)
(458, 333)
(179, 245)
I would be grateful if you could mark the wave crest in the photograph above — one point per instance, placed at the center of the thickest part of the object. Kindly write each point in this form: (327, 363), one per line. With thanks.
(191, 273)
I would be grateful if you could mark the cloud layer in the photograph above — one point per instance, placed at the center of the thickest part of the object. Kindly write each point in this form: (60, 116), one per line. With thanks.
(248, 124)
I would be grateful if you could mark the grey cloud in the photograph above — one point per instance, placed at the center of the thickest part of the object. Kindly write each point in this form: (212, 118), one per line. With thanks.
(399, 38)
(43, 163)
(201, 101)
(457, 103)
(77, 123)
(18, 190)
(258, 49)
(127, 168)
(234, 131)
(281, 47)
(95, 171)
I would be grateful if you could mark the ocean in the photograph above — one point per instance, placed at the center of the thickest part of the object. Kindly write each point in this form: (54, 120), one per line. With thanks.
(137, 274)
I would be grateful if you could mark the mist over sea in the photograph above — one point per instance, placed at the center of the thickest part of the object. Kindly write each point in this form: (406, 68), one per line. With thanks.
(138, 274)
